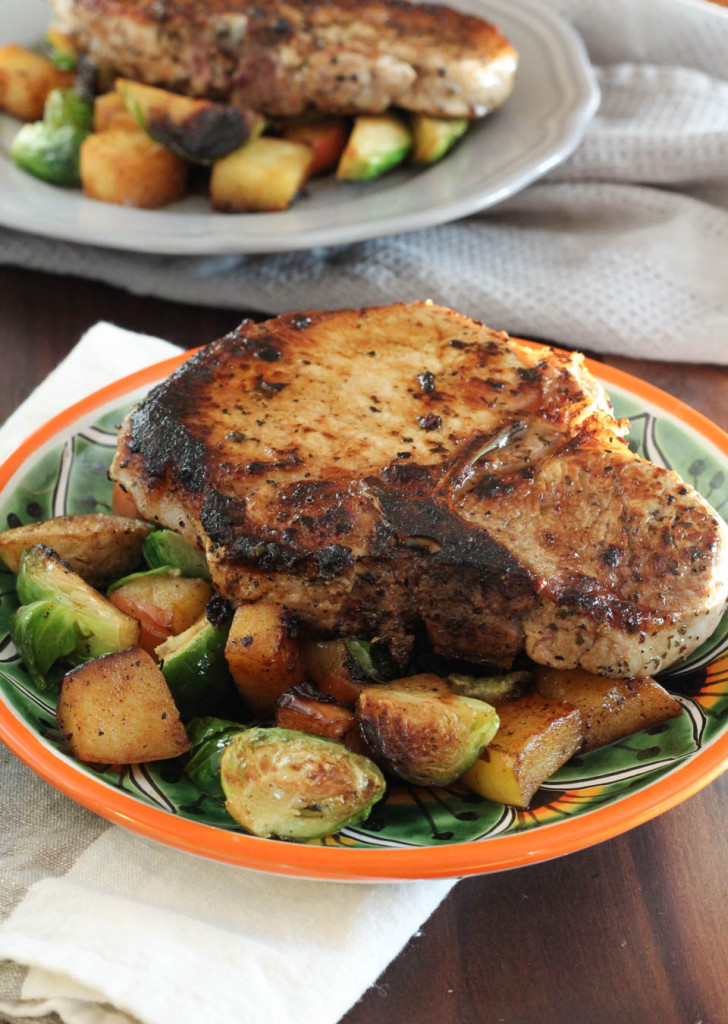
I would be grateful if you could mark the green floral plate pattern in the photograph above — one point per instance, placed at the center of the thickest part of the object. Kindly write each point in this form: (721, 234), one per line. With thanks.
(68, 474)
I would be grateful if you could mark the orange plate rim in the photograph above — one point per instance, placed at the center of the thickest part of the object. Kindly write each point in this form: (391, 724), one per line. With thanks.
(351, 864)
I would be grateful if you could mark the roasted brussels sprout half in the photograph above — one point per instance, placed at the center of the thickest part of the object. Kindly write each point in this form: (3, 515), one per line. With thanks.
(51, 153)
(372, 660)
(100, 628)
(490, 688)
(65, 106)
(433, 137)
(208, 738)
(194, 665)
(44, 633)
(422, 732)
(377, 144)
(288, 785)
(167, 548)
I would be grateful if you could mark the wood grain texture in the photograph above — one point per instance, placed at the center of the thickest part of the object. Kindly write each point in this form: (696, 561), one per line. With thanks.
(634, 930)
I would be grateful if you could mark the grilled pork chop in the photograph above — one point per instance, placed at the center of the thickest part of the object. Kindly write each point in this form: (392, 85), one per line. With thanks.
(380, 470)
(283, 57)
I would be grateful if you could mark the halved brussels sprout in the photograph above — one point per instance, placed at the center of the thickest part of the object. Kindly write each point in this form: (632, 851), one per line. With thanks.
(433, 137)
(43, 633)
(194, 665)
(373, 660)
(65, 106)
(376, 144)
(100, 627)
(49, 152)
(289, 785)
(490, 688)
(167, 548)
(208, 738)
(423, 732)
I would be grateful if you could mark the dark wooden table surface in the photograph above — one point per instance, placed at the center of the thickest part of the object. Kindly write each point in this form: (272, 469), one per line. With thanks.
(633, 931)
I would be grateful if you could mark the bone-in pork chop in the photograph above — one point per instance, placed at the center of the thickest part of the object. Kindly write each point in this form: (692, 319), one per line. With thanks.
(284, 57)
(380, 471)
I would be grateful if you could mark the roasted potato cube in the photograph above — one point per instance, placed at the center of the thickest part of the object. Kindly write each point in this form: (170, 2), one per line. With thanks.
(307, 710)
(98, 547)
(263, 656)
(110, 113)
(130, 169)
(264, 174)
(118, 710)
(610, 708)
(536, 736)
(164, 606)
(26, 78)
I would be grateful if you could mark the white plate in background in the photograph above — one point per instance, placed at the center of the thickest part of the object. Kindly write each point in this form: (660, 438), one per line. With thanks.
(540, 125)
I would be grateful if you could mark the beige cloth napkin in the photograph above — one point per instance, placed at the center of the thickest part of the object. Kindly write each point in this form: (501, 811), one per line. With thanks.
(117, 929)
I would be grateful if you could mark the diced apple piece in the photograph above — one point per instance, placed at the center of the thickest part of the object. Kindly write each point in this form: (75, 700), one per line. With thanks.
(326, 138)
(329, 664)
(263, 657)
(26, 78)
(110, 112)
(130, 169)
(535, 738)
(118, 710)
(304, 709)
(610, 708)
(264, 174)
(163, 605)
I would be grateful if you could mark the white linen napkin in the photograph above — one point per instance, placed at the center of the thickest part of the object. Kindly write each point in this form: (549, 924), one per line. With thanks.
(117, 929)
(621, 250)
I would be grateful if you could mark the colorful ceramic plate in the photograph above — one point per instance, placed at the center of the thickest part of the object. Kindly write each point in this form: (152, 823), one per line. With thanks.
(542, 123)
(414, 833)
